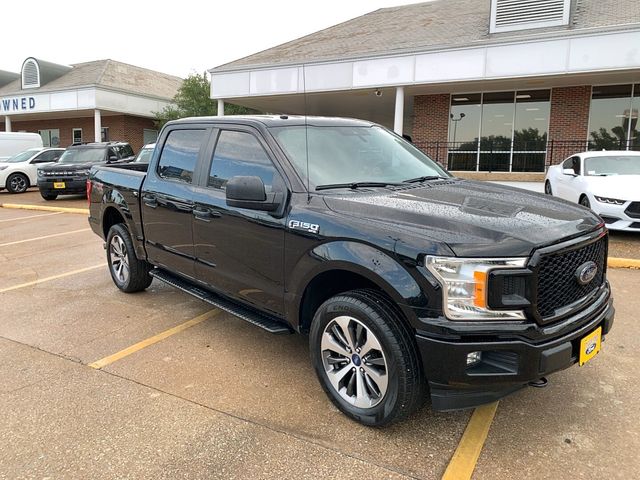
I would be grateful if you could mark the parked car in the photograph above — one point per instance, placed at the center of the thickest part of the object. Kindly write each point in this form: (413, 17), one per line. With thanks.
(607, 182)
(403, 276)
(70, 174)
(12, 143)
(20, 171)
(144, 155)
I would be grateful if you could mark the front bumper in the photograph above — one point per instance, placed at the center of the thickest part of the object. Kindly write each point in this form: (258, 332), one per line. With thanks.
(72, 186)
(616, 217)
(506, 365)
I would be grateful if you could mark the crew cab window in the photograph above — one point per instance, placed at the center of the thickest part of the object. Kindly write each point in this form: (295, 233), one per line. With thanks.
(573, 163)
(180, 155)
(240, 153)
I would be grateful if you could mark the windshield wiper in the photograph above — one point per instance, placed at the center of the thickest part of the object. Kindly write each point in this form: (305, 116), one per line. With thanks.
(425, 179)
(355, 185)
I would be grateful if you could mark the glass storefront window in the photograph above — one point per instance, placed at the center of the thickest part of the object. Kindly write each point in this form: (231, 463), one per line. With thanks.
(609, 117)
(634, 134)
(499, 131)
(530, 131)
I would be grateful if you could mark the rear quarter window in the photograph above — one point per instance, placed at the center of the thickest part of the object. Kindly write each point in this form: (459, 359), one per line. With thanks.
(179, 155)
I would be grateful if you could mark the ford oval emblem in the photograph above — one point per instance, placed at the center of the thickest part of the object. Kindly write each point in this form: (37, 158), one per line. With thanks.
(586, 272)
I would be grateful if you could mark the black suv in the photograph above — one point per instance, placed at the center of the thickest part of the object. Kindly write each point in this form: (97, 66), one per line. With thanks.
(70, 174)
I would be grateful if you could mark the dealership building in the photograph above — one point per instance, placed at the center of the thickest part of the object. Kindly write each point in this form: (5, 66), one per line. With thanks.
(490, 88)
(97, 101)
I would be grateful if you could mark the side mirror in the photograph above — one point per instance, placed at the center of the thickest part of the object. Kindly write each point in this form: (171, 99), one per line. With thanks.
(569, 171)
(112, 158)
(249, 192)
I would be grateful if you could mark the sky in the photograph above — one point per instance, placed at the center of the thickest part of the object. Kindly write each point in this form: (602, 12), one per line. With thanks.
(178, 38)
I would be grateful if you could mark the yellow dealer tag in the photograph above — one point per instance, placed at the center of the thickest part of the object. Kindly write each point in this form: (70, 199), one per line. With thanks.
(590, 346)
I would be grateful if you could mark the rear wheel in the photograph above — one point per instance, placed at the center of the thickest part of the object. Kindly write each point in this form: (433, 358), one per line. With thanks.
(547, 188)
(17, 183)
(129, 273)
(48, 195)
(584, 201)
(366, 358)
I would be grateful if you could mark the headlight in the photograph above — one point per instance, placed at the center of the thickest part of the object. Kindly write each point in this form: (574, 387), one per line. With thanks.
(40, 173)
(4, 167)
(611, 201)
(464, 286)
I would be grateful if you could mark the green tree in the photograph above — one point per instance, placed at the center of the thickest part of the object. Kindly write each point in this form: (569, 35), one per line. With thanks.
(192, 100)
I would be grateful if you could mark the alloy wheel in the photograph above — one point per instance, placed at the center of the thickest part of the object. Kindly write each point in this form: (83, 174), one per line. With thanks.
(119, 259)
(354, 362)
(18, 184)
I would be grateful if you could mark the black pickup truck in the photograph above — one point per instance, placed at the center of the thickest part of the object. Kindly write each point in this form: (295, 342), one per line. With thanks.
(407, 280)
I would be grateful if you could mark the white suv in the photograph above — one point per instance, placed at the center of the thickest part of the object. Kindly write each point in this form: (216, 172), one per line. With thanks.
(20, 171)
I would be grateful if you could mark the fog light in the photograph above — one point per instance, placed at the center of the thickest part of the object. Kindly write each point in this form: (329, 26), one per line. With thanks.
(473, 358)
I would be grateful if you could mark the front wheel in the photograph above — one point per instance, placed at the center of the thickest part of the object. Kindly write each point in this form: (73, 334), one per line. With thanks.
(584, 201)
(128, 272)
(48, 195)
(17, 183)
(366, 358)
(547, 188)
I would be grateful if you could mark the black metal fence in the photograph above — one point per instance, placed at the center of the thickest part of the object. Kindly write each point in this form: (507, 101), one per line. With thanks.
(530, 156)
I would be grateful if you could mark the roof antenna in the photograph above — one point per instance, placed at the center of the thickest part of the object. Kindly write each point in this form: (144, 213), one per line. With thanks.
(306, 134)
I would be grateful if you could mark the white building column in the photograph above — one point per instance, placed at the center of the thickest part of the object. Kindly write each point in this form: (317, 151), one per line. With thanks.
(7, 123)
(220, 107)
(398, 119)
(97, 126)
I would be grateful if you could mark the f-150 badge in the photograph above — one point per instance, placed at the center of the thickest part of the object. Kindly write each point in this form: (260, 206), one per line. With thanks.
(304, 226)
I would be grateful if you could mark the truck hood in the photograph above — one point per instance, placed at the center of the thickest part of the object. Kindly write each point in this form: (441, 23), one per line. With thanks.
(473, 218)
(62, 167)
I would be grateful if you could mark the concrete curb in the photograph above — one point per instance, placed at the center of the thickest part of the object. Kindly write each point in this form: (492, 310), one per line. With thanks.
(614, 262)
(44, 208)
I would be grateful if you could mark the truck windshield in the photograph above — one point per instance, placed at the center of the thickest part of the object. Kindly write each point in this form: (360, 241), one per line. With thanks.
(87, 155)
(612, 165)
(353, 154)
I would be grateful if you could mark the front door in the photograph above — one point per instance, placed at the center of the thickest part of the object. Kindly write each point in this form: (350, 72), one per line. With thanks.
(167, 200)
(239, 252)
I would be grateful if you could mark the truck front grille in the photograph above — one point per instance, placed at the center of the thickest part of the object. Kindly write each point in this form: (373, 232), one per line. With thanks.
(558, 285)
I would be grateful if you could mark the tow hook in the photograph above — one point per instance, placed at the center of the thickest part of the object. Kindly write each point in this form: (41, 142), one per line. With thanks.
(540, 383)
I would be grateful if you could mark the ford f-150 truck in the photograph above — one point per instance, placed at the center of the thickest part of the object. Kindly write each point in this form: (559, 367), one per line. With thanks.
(408, 281)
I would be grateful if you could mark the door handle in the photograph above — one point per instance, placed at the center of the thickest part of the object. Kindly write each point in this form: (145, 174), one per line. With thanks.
(150, 201)
(205, 214)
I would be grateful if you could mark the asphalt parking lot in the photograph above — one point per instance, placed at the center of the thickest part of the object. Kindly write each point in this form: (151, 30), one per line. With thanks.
(218, 398)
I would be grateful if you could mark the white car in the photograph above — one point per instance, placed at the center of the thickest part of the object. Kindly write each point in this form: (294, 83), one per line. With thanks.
(608, 182)
(21, 171)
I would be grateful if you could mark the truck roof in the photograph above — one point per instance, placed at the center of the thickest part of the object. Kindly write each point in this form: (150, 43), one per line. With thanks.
(279, 120)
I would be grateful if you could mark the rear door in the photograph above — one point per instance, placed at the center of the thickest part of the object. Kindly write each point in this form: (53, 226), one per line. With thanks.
(167, 198)
(239, 252)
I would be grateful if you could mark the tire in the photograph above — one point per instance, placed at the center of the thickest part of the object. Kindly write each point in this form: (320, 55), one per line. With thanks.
(386, 384)
(547, 188)
(48, 195)
(128, 272)
(584, 201)
(17, 183)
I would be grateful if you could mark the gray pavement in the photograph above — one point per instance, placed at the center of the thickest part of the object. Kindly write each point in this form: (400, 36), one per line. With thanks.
(224, 399)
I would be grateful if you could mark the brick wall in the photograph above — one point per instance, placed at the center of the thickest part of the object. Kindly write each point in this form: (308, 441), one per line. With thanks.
(121, 127)
(568, 121)
(431, 123)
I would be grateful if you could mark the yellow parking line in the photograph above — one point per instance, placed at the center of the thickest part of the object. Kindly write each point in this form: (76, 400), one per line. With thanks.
(53, 277)
(44, 237)
(466, 455)
(103, 362)
(30, 216)
(46, 208)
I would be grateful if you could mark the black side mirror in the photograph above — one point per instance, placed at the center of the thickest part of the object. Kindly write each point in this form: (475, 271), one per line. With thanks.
(249, 192)
(113, 158)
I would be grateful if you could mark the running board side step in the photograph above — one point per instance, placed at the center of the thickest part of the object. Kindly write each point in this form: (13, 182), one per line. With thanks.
(266, 322)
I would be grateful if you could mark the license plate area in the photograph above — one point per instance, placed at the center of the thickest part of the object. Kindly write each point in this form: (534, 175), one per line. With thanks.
(59, 185)
(590, 346)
